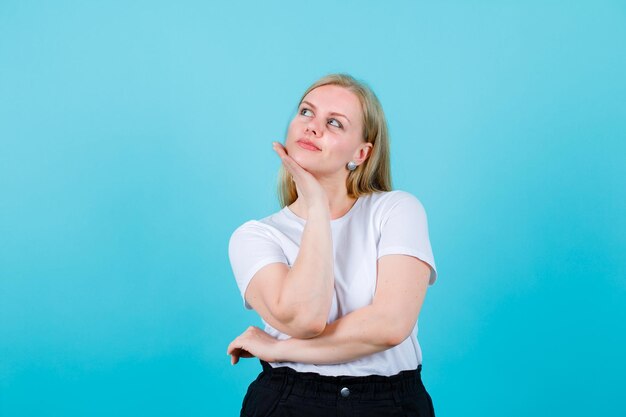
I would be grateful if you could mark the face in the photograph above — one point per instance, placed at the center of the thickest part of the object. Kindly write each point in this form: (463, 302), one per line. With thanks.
(327, 131)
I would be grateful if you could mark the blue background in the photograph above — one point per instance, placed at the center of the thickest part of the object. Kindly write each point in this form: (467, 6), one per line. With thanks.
(136, 136)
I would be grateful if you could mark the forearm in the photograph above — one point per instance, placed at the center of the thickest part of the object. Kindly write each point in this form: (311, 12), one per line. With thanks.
(363, 332)
(307, 290)
(400, 290)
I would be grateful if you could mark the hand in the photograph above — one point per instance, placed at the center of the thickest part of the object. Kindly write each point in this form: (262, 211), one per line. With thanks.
(310, 191)
(253, 342)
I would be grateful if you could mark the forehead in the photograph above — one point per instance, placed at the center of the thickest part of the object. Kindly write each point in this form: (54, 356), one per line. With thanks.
(333, 98)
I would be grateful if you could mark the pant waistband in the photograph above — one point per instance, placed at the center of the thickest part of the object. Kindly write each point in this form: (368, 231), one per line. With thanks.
(310, 384)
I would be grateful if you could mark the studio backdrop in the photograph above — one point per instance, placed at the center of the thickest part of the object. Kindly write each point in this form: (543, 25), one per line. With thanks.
(135, 136)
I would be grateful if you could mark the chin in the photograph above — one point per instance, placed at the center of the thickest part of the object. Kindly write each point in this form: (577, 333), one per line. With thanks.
(303, 160)
(294, 151)
(306, 159)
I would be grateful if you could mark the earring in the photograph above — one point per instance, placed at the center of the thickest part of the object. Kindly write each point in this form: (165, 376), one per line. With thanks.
(351, 166)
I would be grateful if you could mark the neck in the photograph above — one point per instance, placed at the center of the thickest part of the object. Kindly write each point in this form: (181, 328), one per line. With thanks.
(339, 202)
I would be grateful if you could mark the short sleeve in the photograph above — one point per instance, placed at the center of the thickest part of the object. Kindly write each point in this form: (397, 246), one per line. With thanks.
(251, 247)
(404, 231)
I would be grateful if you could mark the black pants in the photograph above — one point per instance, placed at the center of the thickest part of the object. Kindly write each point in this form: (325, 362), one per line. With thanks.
(281, 392)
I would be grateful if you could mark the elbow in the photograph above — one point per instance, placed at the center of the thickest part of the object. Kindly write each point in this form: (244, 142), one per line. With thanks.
(302, 320)
(311, 329)
(394, 335)
(301, 325)
(308, 328)
(395, 328)
(394, 340)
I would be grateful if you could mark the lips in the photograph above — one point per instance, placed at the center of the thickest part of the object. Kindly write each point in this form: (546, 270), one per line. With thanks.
(307, 144)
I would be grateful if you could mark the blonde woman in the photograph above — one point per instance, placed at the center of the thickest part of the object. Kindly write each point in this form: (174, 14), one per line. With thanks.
(339, 274)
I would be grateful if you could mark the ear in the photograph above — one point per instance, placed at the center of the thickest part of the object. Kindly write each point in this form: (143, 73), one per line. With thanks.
(362, 153)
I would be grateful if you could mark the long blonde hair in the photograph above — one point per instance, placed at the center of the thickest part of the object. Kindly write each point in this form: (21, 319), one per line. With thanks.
(375, 173)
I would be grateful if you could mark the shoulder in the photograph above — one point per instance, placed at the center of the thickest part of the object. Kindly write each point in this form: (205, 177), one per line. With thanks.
(398, 206)
(250, 225)
(387, 200)
(250, 228)
(382, 206)
(268, 230)
(399, 195)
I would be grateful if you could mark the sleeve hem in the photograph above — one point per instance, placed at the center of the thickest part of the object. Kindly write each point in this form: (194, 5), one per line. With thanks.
(401, 250)
(253, 270)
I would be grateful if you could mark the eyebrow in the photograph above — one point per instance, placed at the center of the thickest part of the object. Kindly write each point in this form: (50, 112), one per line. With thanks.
(333, 113)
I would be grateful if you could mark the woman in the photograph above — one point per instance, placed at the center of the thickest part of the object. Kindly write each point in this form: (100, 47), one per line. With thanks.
(339, 274)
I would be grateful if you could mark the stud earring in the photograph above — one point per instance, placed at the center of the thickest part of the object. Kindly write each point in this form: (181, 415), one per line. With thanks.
(351, 166)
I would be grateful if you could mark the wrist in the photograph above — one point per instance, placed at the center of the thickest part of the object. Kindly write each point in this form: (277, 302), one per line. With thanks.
(281, 350)
(318, 211)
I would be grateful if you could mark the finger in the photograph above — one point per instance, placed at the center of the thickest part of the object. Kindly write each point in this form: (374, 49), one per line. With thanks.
(290, 164)
(235, 344)
(246, 354)
(294, 168)
(234, 358)
(239, 353)
(279, 148)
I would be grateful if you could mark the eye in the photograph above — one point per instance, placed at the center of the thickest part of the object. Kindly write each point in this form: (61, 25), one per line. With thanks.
(305, 112)
(337, 123)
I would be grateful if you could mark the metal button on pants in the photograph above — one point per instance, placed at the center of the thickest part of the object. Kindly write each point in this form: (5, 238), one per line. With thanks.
(345, 392)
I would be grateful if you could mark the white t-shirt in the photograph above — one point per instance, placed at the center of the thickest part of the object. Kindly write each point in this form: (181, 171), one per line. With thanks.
(378, 224)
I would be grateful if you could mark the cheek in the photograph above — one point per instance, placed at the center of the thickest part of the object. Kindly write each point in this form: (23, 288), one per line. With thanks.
(291, 131)
(292, 136)
(344, 147)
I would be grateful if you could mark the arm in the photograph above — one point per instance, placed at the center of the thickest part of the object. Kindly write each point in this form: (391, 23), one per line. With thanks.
(387, 322)
(297, 301)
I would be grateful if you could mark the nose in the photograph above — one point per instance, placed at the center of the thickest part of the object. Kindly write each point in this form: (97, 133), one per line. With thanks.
(313, 128)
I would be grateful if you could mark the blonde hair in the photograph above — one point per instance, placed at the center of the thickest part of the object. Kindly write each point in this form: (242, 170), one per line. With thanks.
(375, 173)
